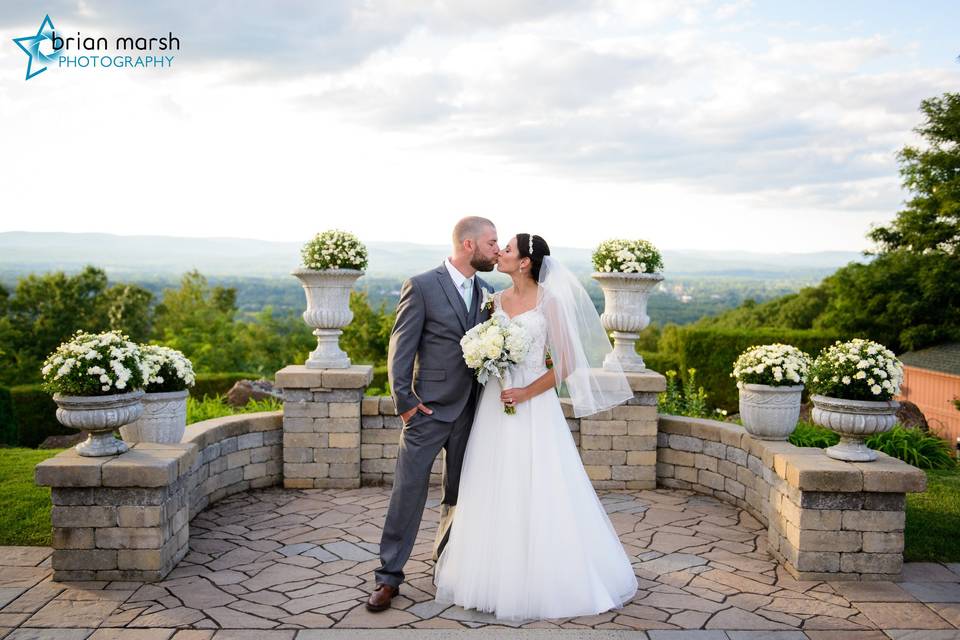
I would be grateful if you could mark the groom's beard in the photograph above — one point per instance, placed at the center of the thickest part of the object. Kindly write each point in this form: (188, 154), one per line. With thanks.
(482, 264)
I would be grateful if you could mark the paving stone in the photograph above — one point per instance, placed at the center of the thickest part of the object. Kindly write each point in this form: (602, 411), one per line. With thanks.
(902, 615)
(926, 572)
(933, 591)
(23, 556)
(49, 634)
(872, 592)
(349, 551)
(132, 634)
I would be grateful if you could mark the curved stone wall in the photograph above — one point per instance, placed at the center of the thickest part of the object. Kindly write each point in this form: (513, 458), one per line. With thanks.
(127, 517)
(826, 519)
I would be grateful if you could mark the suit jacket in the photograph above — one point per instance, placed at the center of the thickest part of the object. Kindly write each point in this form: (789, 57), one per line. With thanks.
(425, 362)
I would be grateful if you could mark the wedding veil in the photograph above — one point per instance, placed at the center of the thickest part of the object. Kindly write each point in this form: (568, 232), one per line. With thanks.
(578, 343)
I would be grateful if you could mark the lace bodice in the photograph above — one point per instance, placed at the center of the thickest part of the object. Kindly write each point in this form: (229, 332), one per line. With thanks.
(536, 325)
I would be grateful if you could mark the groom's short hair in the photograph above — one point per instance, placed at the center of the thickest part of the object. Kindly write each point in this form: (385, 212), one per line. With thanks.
(469, 227)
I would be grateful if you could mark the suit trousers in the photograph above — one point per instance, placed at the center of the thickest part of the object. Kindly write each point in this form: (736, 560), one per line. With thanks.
(420, 441)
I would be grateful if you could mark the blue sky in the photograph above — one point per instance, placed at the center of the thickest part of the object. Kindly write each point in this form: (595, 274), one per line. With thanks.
(742, 125)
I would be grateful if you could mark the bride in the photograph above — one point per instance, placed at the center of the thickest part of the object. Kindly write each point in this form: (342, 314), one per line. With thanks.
(531, 539)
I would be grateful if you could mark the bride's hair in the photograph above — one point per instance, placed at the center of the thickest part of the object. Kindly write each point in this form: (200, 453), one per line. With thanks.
(540, 249)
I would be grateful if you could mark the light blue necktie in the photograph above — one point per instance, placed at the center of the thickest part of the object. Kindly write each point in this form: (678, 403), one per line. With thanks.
(467, 291)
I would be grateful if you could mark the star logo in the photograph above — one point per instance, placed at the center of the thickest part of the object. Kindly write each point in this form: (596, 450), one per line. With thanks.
(30, 45)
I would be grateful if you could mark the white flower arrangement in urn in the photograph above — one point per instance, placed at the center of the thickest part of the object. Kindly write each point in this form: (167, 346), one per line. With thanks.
(852, 388)
(770, 378)
(168, 378)
(96, 381)
(332, 262)
(627, 270)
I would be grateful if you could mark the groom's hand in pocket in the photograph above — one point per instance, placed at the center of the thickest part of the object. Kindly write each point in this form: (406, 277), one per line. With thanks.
(406, 417)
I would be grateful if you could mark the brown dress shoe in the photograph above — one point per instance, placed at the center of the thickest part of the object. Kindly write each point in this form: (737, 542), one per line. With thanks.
(380, 599)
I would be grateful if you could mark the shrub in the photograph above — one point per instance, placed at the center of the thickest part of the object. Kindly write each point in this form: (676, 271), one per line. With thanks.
(808, 434)
(215, 407)
(217, 384)
(8, 428)
(914, 446)
(334, 250)
(35, 415)
(660, 360)
(856, 370)
(711, 350)
(380, 385)
(684, 399)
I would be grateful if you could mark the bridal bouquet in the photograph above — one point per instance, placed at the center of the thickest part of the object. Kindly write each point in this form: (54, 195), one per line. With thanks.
(492, 347)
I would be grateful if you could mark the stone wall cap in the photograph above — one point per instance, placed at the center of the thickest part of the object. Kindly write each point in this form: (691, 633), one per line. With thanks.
(646, 381)
(298, 376)
(70, 469)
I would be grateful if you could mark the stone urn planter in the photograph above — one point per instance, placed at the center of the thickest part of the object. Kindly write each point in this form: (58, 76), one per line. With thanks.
(164, 419)
(99, 415)
(328, 311)
(854, 420)
(770, 412)
(625, 314)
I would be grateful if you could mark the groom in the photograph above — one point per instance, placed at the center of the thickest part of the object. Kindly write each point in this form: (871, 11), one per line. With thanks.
(435, 392)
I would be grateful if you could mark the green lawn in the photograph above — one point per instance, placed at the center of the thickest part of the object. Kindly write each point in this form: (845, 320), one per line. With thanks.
(24, 505)
(933, 519)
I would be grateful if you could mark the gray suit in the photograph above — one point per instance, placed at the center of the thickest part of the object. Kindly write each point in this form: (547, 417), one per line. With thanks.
(425, 364)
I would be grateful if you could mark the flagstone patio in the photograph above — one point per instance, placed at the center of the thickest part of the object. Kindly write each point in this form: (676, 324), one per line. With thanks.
(299, 564)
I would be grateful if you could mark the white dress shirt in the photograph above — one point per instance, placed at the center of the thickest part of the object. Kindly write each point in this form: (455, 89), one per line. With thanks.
(463, 284)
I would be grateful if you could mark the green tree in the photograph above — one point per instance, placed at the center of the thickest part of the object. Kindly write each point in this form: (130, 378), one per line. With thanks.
(199, 320)
(46, 309)
(367, 337)
(930, 222)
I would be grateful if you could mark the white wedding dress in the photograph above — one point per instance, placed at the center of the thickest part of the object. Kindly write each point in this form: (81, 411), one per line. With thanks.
(530, 539)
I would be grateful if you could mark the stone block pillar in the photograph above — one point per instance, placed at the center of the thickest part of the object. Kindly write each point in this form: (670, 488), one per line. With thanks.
(321, 425)
(619, 446)
(119, 518)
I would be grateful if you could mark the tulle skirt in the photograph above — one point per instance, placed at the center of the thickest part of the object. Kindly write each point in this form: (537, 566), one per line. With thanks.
(530, 539)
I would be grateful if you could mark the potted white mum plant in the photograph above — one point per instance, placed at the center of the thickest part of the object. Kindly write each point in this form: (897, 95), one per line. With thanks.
(852, 385)
(627, 271)
(169, 376)
(770, 378)
(96, 381)
(332, 262)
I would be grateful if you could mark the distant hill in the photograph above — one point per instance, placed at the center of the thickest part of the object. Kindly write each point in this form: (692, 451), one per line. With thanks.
(137, 256)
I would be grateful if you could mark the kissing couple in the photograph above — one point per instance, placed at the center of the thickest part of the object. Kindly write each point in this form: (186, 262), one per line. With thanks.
(531, 540)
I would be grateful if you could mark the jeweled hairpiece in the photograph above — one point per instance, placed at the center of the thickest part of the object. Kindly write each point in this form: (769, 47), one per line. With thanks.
(530, 248)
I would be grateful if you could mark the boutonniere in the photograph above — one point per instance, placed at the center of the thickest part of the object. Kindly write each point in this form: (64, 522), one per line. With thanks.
(487, 303)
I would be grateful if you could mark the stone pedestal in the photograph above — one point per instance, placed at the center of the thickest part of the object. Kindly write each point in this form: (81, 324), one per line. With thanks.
(321, 425)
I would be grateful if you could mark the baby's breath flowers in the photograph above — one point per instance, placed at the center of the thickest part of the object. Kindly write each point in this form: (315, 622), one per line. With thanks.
(856, 370)
(94, 365)
(627, 256)
(334, 250)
